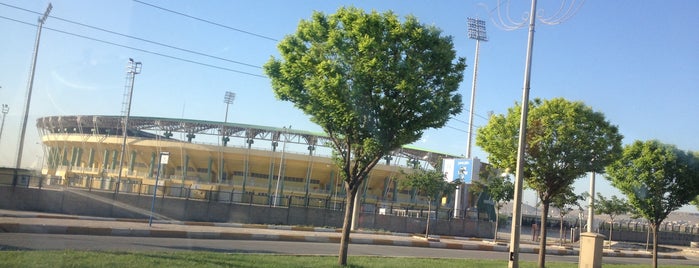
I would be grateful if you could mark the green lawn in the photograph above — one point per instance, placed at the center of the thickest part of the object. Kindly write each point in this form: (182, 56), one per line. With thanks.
(71, 258)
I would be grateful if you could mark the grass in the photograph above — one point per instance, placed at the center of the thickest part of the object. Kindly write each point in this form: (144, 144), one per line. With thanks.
(72, 258)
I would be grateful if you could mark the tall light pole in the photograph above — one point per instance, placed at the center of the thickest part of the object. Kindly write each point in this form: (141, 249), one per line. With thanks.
(476, 31)
(5, 110)
(228, 99)
(591, 208)
(132, 70)
(42, 19)
(517, 209)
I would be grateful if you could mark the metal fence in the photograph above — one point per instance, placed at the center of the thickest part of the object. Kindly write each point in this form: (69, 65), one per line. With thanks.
(135, 187)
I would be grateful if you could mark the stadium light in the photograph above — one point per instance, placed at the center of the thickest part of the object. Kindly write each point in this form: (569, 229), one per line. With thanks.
(42, 19)
(133, 69)
(228, 99)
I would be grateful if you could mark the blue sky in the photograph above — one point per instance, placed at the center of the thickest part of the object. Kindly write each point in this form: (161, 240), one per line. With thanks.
(635, 61)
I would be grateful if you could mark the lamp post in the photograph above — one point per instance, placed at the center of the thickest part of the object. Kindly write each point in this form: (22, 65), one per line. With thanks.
(42, 19)
(164, 157)
(133, 69)
(5, 110)
(517, 209)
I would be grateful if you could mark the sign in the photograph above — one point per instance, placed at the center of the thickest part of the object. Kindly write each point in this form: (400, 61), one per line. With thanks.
(460, 169)
(164, 157)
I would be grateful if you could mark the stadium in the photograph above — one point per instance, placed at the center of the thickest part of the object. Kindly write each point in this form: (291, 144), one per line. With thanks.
(220, 161)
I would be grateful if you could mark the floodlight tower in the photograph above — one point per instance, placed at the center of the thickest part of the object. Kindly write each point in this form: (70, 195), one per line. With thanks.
(476, 31)
(228, 99)
(42, 19)
(132, 70)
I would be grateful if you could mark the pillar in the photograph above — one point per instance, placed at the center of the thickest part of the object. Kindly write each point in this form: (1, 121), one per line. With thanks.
(91, 158)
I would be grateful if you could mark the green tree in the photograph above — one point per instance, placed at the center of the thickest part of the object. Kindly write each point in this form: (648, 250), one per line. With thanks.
(657, 179)
(612, 207)
(565, 141)
(372, 81)
(500, 189)
(564, 203)
(431, 184)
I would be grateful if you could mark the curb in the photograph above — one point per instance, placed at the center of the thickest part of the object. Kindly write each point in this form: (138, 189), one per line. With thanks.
(104, 231)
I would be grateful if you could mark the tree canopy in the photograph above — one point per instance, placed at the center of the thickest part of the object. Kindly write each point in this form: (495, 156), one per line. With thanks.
(657, 179)
(613, 207)
(431, 184)
(565, 140)
(371, 81)
(500, 189)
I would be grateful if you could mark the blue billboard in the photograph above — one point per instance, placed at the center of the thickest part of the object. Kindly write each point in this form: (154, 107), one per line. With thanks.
(460, 169)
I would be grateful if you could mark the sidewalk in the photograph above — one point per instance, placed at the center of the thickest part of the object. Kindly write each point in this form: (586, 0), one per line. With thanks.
(34, 222)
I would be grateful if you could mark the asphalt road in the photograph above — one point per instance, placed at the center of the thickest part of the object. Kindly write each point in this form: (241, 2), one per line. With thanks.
(24, 241)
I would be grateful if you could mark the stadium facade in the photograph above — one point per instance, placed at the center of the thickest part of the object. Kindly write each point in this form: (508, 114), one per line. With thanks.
(247, 161)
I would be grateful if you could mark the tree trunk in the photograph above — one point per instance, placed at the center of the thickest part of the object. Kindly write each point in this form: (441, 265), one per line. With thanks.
(429, 211)
(542, 234)
(497, 220)
(655, 245)
(560, 232)
(611, 227)
(346, 226)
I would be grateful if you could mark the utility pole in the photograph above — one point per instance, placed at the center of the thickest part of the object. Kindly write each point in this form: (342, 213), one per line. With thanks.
(18, 165)
(132, 70)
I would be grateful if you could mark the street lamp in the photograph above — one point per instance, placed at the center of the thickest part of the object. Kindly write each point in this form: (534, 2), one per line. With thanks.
(133, 69)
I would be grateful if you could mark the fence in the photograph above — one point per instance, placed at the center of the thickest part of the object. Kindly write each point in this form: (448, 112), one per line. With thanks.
(233, 196)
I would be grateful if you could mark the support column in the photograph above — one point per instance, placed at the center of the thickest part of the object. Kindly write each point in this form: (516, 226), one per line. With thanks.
(91, 158)
(105, 160)
(152, 164)
(132, 161)
(332, 183)
(386, 183)
(73, 156)
(114, 159)
(185, 168)
(208, 170)
(246, 170)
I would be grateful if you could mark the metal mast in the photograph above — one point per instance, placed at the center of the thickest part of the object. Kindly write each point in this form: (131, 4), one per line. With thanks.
(42, 19)
(228, 99)
(132, 70)
(476, 30)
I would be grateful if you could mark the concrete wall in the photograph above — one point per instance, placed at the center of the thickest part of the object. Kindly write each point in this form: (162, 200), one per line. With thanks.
(106, 204)
(667, 238)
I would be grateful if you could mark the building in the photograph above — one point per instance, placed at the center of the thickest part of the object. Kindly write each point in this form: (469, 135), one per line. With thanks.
(215, 160)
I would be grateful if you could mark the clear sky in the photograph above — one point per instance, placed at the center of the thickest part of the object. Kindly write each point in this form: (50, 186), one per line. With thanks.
(635, 61)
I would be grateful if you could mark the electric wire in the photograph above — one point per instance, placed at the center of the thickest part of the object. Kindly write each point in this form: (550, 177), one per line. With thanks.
(139, 49)
(206, 21)
(138, 38)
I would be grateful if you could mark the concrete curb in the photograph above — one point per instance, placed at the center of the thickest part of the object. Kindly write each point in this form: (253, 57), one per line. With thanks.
(474, 243)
